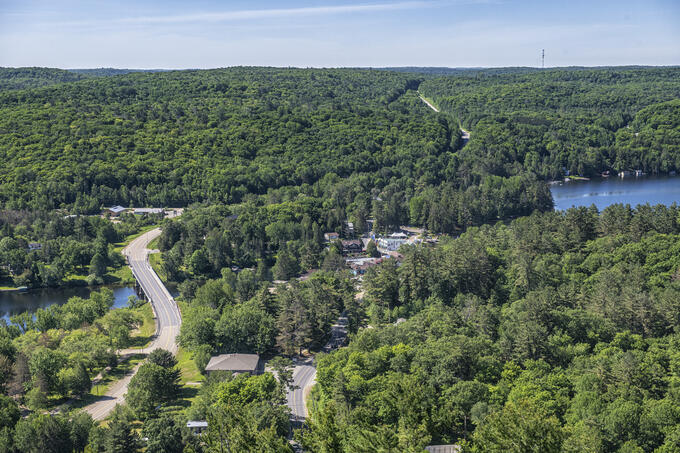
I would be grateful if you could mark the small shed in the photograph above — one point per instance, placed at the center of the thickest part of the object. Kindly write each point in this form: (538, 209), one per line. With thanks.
(197, 427)
(235, 363)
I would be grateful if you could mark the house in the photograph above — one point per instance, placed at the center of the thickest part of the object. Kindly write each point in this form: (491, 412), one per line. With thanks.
(235, 363)
(392, 242)
(360, 265)
(352, 246)
(450, 448)
(34, 246)
(197, 427)
(115, 211)
(332, 236)
(147, 211)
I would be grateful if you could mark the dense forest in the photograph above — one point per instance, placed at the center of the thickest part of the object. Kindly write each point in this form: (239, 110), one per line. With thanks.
(223, 136)
(23, 78)
(557, 332)
(555, 121)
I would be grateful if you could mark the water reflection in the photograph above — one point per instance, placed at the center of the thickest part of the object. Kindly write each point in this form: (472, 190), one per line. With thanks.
(603, 192)
(12, 303)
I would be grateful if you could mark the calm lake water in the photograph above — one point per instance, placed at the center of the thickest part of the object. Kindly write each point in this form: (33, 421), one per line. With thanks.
(12, 303)
(603, 192)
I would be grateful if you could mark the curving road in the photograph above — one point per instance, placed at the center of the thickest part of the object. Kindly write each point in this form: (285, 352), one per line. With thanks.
(304, 377)
(304, 374)
(168, 319)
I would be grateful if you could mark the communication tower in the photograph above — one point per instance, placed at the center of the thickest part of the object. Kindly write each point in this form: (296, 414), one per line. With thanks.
(542, 58)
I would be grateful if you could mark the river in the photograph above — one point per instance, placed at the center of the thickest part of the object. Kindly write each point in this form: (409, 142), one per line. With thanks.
(12, 303)
(603, 192)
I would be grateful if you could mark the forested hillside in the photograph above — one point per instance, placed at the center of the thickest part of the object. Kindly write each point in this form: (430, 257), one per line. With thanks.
(222, 136)
(175, 138)
(556, 333)
(554, 121)
(23, 78)
(518, 329)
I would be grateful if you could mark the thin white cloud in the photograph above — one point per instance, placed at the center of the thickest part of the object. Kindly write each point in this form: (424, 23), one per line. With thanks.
(252, 14)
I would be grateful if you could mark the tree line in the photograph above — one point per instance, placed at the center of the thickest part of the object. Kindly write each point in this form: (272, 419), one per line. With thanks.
(555, 122)
(555, 332)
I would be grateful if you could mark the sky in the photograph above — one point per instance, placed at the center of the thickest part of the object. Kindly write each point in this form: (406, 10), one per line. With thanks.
(176, 34)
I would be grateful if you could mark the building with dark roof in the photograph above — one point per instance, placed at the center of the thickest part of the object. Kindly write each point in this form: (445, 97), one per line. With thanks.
(235, 363)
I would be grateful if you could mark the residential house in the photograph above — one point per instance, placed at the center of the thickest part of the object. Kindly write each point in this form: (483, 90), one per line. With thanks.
(114, 211)
(360, 265)
(235, 363)
(352, 246)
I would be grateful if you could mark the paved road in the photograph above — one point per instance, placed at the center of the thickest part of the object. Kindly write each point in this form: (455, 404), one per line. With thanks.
(168, 319)
(304, 377)
(304, 374)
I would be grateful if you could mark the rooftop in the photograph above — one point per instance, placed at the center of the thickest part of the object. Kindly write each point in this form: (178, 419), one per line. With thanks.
(197, 424)
(148, 210)
(233, 362)
(451, 448)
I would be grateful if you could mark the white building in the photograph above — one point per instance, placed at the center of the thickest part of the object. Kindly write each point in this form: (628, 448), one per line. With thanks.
(392, 242)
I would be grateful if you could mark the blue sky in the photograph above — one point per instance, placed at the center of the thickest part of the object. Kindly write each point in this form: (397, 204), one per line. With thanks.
(454, 33)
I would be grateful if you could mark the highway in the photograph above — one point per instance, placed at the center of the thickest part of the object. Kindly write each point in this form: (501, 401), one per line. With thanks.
(166, 312)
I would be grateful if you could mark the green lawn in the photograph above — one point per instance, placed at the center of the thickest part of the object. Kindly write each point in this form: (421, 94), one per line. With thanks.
(121, 275)
(153, 244)
(185, 362)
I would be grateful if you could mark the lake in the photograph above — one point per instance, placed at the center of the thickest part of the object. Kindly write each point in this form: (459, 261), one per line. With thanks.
(12, 303)
(603, 192)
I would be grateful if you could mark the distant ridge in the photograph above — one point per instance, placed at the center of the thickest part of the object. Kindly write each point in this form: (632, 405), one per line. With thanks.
(106, 72)
(506, 70)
